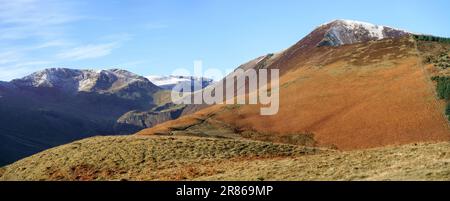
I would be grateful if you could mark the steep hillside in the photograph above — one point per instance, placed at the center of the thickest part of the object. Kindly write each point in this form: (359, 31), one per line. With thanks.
(436, 60)
(334, 34)
(353, 96)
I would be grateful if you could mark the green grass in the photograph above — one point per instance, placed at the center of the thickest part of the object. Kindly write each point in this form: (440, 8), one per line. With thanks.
(442, 87)
(447, 111)
(443, 91)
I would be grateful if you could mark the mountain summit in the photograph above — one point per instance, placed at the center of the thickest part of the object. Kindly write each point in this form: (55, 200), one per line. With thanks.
(341, 32)
(74, 80)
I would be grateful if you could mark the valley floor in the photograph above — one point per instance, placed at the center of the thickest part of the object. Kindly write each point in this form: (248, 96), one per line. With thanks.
(194, 158)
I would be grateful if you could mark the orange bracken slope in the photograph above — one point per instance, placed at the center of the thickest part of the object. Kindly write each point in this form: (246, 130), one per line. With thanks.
(351, 97)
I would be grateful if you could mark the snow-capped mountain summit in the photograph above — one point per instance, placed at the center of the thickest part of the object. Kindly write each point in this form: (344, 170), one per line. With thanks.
(341, 32)
(74, 80)
(168, 82)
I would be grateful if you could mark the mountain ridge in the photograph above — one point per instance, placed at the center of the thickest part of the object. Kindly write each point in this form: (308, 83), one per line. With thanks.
(351, 92)
(75, 80)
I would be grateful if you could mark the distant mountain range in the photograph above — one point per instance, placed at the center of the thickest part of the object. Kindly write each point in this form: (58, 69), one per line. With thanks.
(168, 82)
(59, 105)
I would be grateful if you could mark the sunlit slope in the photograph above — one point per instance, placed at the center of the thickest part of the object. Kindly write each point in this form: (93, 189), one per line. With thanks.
(354, 96)
(143, 158)
(423, 162)
(193, 158)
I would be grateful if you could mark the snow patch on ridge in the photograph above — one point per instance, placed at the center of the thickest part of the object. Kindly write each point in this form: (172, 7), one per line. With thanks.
(168, 82)
(375, 31)
(74, 80)
(340, 32)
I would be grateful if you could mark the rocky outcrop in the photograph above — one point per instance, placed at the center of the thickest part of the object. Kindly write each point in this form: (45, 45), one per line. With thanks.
(137, 120)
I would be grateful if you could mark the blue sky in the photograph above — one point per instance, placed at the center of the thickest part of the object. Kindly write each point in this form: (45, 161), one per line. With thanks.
(152, 37)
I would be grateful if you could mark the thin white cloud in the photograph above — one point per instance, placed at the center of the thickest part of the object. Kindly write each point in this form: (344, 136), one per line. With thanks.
(39, 24)
(9, 73)
(34, 34)
(9, 57)
(118, 37)
(21, 19)
(88, 51)
(154, 25)
(92, 51)
(52, 43)
(19, 69)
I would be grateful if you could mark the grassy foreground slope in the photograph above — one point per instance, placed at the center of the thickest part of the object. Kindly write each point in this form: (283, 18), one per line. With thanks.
(408, 162)
(143, 158)
(192, 158)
